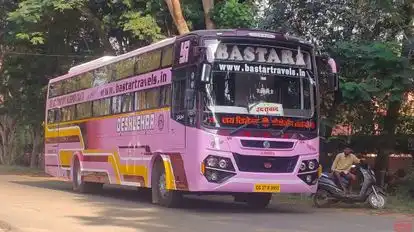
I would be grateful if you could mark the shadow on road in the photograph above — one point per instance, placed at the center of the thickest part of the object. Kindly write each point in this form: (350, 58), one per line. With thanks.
(128, 207)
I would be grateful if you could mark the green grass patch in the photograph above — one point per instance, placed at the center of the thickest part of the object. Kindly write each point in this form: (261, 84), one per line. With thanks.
(21, 170)
(401, 204)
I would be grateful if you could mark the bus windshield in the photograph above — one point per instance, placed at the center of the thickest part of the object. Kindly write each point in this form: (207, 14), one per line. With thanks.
(248, 93)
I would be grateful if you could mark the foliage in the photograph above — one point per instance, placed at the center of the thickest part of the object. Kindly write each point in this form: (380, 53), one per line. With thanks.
(406, 185)
(373, 74)
(233, 14)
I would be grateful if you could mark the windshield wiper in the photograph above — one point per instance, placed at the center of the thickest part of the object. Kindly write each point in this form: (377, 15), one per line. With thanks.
(239, 128)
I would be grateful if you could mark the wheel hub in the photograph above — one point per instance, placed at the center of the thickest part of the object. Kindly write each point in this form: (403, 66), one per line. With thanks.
(162, 186)
(377, 202)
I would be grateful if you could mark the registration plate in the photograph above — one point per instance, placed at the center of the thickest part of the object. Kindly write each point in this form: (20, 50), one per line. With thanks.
(267, 188)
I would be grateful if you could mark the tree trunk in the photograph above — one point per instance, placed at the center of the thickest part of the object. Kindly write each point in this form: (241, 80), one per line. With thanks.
(7, 136)
(174, 7)
(207, 6)
(35, 149)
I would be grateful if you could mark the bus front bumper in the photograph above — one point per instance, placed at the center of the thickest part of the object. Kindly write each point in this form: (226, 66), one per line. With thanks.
(262, 182)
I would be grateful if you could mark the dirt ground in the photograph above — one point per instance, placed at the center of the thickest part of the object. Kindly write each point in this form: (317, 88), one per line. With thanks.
(42, 204)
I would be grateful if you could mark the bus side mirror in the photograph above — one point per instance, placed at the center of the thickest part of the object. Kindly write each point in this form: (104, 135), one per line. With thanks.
(333, 82)
(328, 70)
(206, 73)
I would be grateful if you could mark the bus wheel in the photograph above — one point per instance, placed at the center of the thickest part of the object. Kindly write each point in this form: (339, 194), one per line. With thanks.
(81, 186)
(160, 194)
(258, 200)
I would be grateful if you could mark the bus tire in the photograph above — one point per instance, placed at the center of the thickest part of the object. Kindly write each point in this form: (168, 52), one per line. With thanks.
(81, 186)
(258, 200)
(160, 195)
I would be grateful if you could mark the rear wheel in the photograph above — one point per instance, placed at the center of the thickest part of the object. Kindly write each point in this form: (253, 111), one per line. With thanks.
(81, 186)
(258, 200)
(160, 194)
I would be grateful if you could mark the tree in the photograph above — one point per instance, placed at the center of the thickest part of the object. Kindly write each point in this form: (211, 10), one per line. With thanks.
(176, 12)
(208, 5)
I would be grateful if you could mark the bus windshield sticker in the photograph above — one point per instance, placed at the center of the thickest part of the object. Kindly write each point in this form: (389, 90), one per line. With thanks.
(265, 108)
(184, 52)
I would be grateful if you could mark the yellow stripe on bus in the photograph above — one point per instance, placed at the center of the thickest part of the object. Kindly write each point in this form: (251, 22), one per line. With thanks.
(65, 157)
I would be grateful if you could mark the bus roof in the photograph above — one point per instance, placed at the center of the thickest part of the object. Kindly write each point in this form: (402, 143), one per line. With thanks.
(105, 60)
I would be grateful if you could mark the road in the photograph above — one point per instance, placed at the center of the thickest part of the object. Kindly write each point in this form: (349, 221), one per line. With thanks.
(40, 204)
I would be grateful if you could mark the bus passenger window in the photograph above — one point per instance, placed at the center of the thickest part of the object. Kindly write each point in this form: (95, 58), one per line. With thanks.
(101, 107)
(86, 80)
(51, 116)
(116, 104)
(167, 56)
(70, 85)
(83, 110)
(151, 98)
(139, 100)
(102, 76)
(127, 102)
(68, 113)
(125, 68)
(165, 95)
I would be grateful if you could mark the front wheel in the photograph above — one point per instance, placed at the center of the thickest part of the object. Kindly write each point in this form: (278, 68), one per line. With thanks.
(377, 202)
(258, 200)
(160, 194)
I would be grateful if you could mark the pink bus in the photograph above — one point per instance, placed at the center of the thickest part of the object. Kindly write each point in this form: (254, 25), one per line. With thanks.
(210, 112)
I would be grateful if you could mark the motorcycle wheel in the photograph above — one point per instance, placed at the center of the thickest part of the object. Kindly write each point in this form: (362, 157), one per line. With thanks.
(377, 203)
(321, 198)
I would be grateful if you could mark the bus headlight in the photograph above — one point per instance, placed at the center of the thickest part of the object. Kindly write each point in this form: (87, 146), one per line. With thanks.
(311, 165)
(303, 166)
(223, 164)
(217, 169)
(211, 162)
(218, 162)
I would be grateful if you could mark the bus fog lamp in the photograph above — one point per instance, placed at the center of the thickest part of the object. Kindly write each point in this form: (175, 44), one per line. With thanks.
(308, 178)
(214, 176)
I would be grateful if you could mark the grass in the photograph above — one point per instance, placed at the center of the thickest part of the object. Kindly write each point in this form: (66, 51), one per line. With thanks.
(21, 170)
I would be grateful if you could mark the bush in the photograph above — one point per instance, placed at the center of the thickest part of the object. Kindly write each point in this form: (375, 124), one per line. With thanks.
(406, 185)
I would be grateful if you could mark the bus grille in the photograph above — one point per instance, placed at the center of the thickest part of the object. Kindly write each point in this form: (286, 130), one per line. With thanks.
(272, 144)
(268, 164)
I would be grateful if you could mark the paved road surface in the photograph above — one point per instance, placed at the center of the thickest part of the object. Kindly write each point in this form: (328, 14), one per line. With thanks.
(37, 204)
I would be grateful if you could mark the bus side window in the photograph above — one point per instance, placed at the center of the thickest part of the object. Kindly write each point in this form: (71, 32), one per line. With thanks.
(101, 107)
(127, 102)
(83, 110)
(116, 104)
(51, 116)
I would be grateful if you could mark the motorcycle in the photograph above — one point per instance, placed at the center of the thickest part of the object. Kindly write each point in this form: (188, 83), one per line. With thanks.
(329, 191)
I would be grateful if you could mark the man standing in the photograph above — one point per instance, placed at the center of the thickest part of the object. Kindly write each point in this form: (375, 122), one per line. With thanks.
(342, 166)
